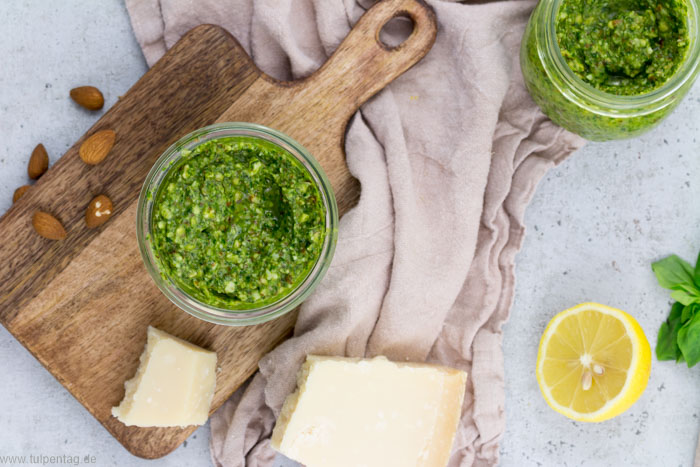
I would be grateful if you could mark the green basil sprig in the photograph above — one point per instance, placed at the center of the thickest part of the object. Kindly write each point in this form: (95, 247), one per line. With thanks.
(679, 336)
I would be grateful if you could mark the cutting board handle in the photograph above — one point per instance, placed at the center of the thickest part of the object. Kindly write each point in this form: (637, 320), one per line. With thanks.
(362, 65)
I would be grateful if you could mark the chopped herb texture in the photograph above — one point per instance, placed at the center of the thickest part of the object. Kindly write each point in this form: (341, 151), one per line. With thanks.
(608, 69)
(623, 47)
(238, 223)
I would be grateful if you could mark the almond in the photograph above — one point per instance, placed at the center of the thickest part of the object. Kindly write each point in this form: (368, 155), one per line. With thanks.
(38, 162)
(48, 226)
(19, 192)
(88, 96)
(98, 212)
(96, 147)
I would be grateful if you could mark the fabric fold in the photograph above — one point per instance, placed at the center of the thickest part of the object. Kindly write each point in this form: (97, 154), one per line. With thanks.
(448, 157)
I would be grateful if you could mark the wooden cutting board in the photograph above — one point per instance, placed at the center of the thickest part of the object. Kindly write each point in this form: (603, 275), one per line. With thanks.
(81, 306)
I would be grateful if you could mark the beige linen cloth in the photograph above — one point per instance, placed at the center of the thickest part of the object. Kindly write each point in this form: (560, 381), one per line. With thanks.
(448, 156)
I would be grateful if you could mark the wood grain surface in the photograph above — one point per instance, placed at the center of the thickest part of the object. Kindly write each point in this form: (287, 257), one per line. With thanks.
(81, 306)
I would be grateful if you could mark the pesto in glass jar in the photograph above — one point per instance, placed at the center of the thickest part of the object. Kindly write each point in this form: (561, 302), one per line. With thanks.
(610, 69)
(238, 223)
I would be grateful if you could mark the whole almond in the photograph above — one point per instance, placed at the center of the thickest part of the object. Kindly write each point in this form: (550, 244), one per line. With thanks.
(19, 192)
(38, 162)
(48, 226)
(98, 211)
(96, 147)
(88, 96)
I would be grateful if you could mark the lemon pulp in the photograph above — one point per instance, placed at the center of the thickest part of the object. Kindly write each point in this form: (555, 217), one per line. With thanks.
(594, 362)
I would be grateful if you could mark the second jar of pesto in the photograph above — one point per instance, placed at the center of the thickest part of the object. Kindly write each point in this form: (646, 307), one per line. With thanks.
(611, 69)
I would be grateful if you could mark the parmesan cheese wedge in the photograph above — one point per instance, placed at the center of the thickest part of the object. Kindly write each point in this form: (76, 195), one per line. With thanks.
(357, 412)
(173, 386)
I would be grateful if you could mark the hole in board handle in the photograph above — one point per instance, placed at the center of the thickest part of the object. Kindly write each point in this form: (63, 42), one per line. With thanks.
(396, 31)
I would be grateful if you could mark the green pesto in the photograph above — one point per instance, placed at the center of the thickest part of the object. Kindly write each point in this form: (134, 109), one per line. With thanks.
(623, 47)
(552, 93)
(238, 223)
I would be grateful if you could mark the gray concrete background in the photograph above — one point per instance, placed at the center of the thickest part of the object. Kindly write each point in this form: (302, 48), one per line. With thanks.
(594, 226)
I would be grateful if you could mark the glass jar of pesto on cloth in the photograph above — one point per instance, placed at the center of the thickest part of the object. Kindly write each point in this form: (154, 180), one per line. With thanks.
(610, 69)
(237, 223)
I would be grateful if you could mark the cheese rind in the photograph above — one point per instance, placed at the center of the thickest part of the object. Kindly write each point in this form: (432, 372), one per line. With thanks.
(173, 386)
(370, 412)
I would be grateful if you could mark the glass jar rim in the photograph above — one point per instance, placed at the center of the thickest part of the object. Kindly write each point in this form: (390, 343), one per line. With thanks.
(608, 104)
(197, 308)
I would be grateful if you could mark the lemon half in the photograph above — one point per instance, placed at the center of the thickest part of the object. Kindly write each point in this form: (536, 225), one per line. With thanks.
(593, 363)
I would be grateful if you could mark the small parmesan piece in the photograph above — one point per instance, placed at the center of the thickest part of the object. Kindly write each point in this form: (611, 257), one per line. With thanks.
(173, 386)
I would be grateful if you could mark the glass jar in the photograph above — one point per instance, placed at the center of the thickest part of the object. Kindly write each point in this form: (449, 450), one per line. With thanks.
(149, 193)
(580, 107)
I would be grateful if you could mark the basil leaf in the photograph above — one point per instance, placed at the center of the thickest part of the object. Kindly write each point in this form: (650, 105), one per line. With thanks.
(689, 340)
(689, 311)
(697, 271)
(689, 288)
(673, 272)
(684, 297)
(667, 341)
